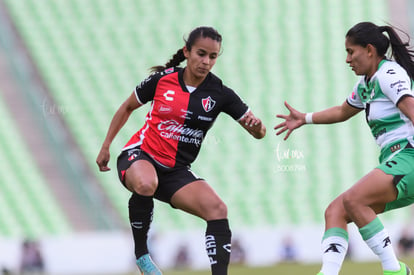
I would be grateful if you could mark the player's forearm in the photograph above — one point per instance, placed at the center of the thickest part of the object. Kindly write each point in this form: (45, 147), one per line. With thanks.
(328, 116)
(334, 114)
(118, 121)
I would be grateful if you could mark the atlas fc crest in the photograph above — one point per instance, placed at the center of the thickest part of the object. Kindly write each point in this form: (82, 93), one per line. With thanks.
(208, 103)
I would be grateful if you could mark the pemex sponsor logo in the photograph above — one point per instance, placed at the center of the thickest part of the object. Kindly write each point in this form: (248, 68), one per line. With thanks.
(171, 129)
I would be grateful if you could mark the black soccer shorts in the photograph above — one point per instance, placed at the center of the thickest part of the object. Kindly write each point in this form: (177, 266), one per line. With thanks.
(170, 180)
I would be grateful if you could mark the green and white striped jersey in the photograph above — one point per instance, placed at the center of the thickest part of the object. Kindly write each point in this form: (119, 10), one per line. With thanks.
(379, 97)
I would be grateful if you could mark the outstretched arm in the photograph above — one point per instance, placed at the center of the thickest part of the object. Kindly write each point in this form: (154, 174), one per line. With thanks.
(296, 119)
(120, 118)
(253, 125)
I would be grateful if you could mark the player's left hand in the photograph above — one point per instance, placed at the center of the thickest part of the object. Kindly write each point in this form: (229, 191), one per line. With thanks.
(253, 125)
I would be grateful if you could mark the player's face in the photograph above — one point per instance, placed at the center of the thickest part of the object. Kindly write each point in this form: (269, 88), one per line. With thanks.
(358, 58)
(202, 57)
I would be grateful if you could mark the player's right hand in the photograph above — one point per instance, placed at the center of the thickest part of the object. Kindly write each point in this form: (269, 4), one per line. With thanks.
(103, 159)
(294, 120)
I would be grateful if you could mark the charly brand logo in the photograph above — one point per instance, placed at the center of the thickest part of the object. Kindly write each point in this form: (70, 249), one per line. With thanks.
(171, 129)
(289, 159)
(137, 225)
(169, 95)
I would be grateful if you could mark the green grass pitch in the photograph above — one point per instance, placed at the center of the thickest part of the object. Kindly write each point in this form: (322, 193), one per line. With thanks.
(349, 268)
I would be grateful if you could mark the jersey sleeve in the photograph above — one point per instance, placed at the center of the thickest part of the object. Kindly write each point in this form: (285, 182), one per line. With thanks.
(235, 106)
(395, 84)
(145, 91)
(354, 99)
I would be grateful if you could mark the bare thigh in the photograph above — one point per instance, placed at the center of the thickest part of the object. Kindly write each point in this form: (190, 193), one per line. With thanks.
(336, 215)
(199, 198)
(369, 197)
(141, 178)
(362, 202)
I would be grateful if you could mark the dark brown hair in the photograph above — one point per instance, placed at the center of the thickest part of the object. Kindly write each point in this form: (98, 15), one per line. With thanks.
(179, 57)
(365, 33)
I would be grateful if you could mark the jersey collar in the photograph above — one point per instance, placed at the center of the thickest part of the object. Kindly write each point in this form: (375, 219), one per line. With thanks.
(184, 87)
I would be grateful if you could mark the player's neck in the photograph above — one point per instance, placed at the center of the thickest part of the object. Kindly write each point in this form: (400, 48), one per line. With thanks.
(191, 80)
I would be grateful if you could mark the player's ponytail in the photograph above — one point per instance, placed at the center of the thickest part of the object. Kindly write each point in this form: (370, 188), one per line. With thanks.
(400, 50)
(179, 57)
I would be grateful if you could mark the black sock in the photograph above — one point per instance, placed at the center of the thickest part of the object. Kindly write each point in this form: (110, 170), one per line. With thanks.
(140, 217)
(218, 245)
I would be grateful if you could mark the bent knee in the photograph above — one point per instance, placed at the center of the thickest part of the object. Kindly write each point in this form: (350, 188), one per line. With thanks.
(141, 178)
(349, 201)
(335, 210)
(222, 210)
(142, 186)
(216, 210)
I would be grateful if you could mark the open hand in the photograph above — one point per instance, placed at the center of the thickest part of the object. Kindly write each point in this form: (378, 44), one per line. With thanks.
(294, 120)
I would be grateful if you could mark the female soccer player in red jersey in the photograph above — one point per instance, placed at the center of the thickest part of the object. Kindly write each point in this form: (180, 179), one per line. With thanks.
(155, 162)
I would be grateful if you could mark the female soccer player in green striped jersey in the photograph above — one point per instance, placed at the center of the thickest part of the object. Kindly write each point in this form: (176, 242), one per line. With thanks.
(385, 92)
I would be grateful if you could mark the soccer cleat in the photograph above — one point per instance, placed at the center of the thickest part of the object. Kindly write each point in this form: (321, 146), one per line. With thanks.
(147, 266)
(404, 270)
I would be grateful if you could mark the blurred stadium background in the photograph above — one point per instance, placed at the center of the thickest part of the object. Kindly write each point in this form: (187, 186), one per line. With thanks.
(67, 65)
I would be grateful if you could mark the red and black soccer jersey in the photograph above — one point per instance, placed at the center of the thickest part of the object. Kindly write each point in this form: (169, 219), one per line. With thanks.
(178, 120)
